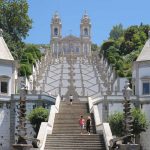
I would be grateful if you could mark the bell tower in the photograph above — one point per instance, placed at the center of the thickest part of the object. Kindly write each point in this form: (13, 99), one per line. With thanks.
(56, 35)
(85, 34)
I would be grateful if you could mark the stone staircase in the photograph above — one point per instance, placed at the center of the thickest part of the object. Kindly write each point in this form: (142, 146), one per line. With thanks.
(66, 132)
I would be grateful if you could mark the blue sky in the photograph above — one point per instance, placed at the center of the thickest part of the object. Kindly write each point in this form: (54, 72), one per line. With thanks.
(104, 15)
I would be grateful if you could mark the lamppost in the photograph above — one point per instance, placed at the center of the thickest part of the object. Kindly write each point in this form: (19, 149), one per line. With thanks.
(128, 124)
(128, 121)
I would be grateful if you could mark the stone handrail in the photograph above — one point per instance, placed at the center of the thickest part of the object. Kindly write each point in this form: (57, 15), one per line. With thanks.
(47, 127)
(107, 134)
(100, 127)
(98, 119)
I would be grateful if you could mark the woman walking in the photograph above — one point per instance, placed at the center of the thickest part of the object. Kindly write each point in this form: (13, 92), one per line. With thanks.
(88, 124)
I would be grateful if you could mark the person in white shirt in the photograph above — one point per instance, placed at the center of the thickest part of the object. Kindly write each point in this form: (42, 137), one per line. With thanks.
(71, 99)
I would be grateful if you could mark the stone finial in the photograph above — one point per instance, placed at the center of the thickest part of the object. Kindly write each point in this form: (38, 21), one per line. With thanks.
(1, 32)
(85, 14)
(56, 15)
(149, 34)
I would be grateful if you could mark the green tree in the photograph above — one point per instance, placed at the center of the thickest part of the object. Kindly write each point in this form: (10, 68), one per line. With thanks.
(122, 49)
(25, 69)
(115, 121)
(116, 32)
(37, 116)
(94, 47)
(34, 51)
(29, 57)
(140, 123)
(105, 46)
(15, 22)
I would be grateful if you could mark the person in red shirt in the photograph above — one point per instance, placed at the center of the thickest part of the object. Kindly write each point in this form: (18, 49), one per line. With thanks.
(82, 123)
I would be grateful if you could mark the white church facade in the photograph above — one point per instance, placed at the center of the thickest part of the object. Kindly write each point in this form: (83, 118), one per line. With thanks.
(141, 80)
(7, 88)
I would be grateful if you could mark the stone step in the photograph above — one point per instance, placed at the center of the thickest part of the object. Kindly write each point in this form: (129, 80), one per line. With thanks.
(69, 110)
(70, 136)
(74, 144)
(63, 127)
(80, 137)
(73, 148)
(71, 132)
(75, 102)
(72, 126)
(69, 126)
(72, 116)
(74, 107)
(71, 129)
(71, 120)
(67, 121)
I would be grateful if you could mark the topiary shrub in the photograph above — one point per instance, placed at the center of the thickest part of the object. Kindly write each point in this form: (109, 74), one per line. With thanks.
(37, 116)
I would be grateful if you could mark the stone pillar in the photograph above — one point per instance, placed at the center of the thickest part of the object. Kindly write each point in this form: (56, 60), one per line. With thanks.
(105, 109)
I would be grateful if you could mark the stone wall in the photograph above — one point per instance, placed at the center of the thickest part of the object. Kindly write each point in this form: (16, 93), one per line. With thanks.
(4, 128)
(145, 136)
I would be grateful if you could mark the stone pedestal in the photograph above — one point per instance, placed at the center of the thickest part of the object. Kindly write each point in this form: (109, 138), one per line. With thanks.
(129, 147)
(22, 146)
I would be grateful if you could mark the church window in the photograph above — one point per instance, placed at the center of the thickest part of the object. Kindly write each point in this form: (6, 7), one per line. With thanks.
(55, 31)
(146, 88)
(77, 49)
(4, 87)
(85, 31)
(4, 84)
(1, 105)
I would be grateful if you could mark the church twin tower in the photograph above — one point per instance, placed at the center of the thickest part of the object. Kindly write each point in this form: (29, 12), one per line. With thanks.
(71, 44)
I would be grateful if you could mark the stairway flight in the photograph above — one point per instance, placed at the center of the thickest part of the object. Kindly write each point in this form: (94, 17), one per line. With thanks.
(66, 132)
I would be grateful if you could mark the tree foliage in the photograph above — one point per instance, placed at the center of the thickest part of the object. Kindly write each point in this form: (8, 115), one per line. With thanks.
(115, 121)
(140, 123)
(94, 47)
(37, 116)
(123, 47)
(116, 32)
(25, 69)
(30, 55)
(15, 22)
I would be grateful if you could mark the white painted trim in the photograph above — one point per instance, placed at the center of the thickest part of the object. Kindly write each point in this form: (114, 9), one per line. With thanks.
(98, 123)
(107, 134)
(47, 127)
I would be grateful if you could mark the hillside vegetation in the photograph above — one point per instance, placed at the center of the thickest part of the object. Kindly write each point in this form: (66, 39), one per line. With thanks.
(124, 46)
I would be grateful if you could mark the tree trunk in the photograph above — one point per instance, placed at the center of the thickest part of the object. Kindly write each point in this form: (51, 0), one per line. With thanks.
(137, 139)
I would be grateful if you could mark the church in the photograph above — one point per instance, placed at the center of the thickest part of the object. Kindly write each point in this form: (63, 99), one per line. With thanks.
(71, 44)
(92, 82)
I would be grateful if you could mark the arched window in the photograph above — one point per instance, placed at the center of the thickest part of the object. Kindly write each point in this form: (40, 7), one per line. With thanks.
(55, 31)
(85, 31)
